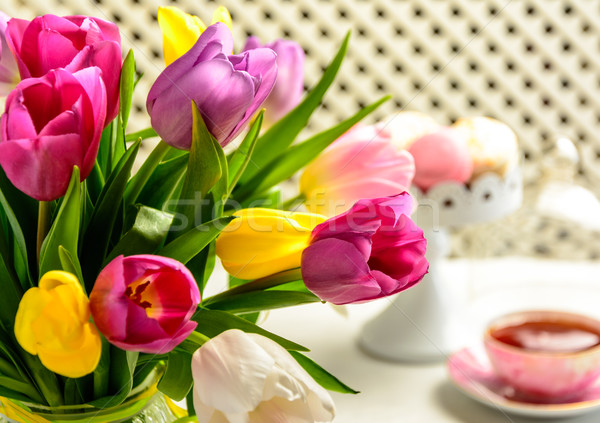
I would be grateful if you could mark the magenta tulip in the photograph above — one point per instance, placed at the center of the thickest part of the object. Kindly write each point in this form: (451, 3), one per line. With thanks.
(50, 125)
(371, 251)
(227, 89)
(9, 73)
(73, 43)
(145, 303)
(289, 85)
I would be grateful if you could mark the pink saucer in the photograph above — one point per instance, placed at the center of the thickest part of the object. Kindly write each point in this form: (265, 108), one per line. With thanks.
(471, 373)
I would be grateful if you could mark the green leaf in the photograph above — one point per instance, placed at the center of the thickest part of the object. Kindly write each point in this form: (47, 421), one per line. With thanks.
(213, 322)
(322, 376)
(204, 171)
(283, 133)
(122, 366)
(14, 393)
(177, 380)
(24, 210)
(296, 157)
(145, 236)
(95, 182)
(250, 302)
(73, 393)
(20, 253)
(191, 344)
(164, 182)
(143, 134)
(101, 373)
(242, 157)
(104, 154)
(140, 180)
(99, 230)
(65, 228)
(70, 263)
(188, 245)
(220, 190)
(10, 296)
(126, 88)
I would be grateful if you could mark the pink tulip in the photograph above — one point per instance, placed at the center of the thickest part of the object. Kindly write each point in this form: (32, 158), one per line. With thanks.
(73, 43)
(145, 303)
(289, 85)
(371, 251)
(9, 73)
(360, 164)
(50, 125)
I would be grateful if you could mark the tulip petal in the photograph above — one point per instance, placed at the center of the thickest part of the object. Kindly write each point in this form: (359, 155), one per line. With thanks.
(21, 124)
(106, 55)
(214, 33)
(319, 400)
(274, 239)
(180, 31)
(222, 96)
(234, 369)
(336, 270)
(258, 62)
(251, 43)
(90, 25)
(77, 362)
(25, 163)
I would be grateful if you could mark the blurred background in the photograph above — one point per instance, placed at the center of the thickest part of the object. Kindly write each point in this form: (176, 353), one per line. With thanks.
(532, 64)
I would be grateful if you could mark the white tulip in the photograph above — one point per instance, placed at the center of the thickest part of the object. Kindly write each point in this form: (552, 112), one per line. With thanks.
(247, 378)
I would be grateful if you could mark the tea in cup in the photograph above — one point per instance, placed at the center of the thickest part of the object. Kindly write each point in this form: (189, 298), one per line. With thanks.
(545, 354)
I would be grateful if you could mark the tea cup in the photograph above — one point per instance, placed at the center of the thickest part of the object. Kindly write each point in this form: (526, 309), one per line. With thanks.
(545, 354)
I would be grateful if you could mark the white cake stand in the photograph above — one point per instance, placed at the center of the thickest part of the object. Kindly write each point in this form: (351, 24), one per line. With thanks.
(423, 323)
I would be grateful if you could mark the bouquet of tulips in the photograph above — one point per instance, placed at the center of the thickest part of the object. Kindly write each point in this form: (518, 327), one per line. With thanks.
(102, 270)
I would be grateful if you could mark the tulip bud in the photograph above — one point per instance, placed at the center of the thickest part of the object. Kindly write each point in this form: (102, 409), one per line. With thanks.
(53, 322)
(361, 164)
(228, 89)
(145, 303)
(247, 377)
(289, 86)
(51, 124)
(371, 251)
(273, 241)
(73, 43)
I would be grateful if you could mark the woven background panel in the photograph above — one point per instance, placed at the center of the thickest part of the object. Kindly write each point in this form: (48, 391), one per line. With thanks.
(532, 64)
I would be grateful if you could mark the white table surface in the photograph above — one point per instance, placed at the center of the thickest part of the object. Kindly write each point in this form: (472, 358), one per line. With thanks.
(413, 393)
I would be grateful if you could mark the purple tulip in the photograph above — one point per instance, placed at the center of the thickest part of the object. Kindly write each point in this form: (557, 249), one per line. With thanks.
(9, 73)
(145, 303)
(73, 43)
(371, 251)
(50, 125)
(227, 89)
(288, 88)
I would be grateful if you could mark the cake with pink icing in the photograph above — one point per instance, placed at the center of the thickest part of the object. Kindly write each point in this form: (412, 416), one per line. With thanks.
(441, 156)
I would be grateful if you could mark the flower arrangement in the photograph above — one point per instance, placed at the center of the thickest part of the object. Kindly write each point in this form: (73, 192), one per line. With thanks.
(102, 271)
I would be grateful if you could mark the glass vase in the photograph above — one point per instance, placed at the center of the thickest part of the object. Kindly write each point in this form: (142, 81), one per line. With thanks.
(145, 405)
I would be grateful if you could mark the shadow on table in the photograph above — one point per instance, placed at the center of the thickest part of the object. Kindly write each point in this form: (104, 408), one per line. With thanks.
(467, 410)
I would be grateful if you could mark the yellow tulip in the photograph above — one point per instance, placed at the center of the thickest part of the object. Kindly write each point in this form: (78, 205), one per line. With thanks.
(53, 322)
(181, 30)
(262, 242)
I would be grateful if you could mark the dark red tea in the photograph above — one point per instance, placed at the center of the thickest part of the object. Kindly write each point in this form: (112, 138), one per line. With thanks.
(548, 336)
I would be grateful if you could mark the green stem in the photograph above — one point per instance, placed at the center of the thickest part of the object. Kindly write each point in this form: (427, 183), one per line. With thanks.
(44, 210)
(258, 285)
(292, 202)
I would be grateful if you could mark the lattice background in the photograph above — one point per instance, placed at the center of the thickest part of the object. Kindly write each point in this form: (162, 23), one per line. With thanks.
(532, 63)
